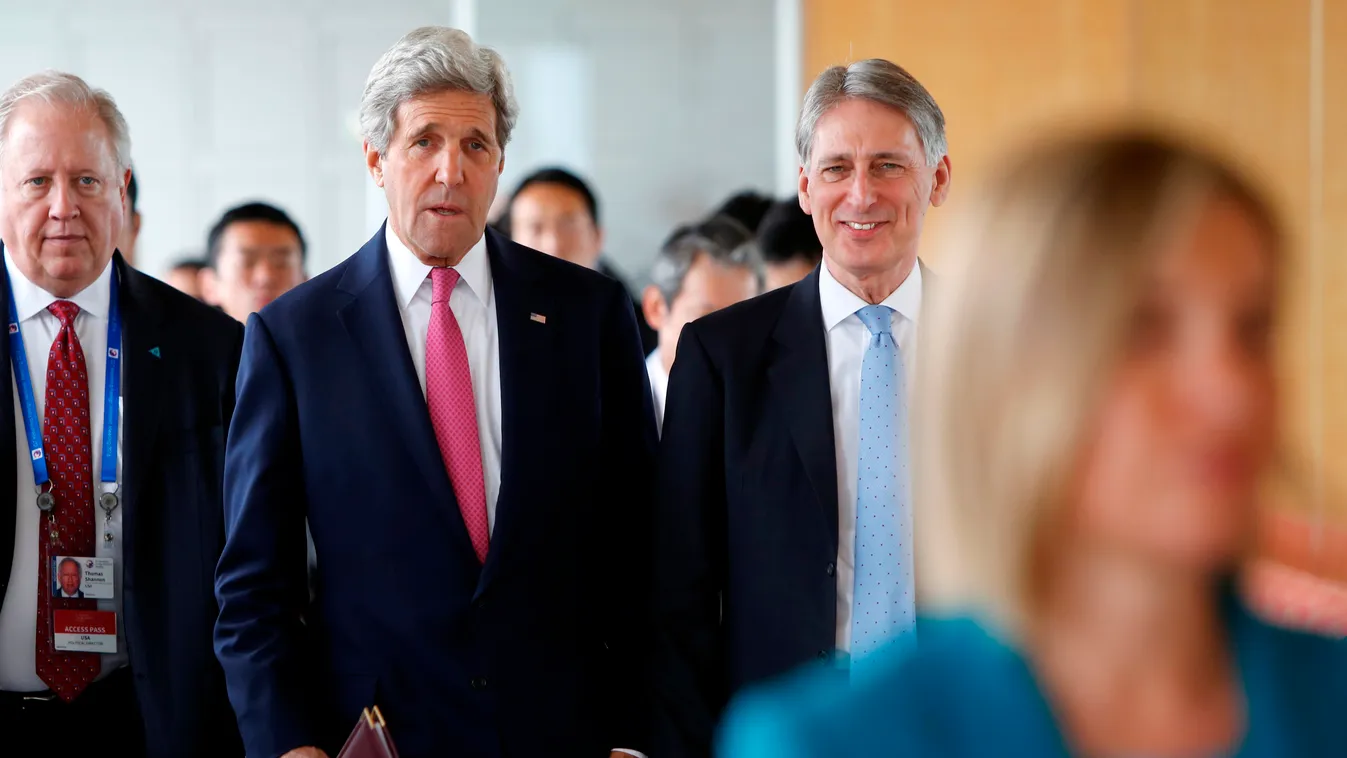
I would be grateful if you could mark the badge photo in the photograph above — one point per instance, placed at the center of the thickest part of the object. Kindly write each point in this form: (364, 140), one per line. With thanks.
(78, 577)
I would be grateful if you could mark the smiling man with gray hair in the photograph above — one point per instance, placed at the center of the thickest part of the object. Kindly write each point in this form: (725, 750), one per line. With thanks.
(465, 426)
(783, 519)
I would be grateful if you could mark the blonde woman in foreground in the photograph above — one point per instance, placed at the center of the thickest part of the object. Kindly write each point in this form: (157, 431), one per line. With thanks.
(1100, 408)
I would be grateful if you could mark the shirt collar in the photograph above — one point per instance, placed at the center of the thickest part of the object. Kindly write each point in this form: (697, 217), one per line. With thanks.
(838, 302)
(30, 299)
(409, 272)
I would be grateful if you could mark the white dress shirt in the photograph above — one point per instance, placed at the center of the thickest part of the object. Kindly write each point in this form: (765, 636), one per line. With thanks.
(473, 303)
(18, 615)
(847, 340)
(659, 386)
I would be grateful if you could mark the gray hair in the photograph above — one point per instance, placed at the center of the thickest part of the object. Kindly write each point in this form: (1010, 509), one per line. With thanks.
(54, 87)
(879, 81)
(722, 239)
(434, 59)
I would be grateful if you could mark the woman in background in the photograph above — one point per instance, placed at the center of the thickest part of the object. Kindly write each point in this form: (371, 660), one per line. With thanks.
(1097, 408)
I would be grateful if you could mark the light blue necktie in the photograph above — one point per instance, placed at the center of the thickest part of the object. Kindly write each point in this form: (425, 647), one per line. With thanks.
(884, 603)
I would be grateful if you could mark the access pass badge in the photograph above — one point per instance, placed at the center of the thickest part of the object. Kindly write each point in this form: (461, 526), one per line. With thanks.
(85, 631)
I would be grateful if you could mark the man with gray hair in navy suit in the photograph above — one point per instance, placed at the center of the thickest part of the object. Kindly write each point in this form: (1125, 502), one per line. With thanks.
(444, 409)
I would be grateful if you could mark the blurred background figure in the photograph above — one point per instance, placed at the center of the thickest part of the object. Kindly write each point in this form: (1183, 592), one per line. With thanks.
(700, 269)
(126, 243)
(747, 207)
(789, 244)
(185, 275)
(256, 254)
(555, 212)
(1098, 410)
(725, 231)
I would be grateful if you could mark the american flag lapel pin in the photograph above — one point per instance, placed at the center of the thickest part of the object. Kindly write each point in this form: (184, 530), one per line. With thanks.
(540, 318)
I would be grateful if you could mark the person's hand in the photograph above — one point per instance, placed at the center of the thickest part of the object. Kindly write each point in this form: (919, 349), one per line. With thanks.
(305, 752)
(620, 754)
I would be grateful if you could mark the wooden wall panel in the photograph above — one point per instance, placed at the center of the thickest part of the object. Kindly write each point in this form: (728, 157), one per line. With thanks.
(1238, 74)
(1332, 251)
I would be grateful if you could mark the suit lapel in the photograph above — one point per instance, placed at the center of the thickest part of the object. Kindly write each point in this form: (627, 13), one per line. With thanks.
(8, 448)
(142, 390)
(373, 320)
(798, 374)
(526, 361)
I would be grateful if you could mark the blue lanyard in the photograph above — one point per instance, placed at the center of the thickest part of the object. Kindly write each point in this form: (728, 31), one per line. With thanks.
(112, 381)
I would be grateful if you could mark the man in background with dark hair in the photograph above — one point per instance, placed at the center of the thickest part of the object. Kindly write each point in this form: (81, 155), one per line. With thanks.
(789, 244)
(255, 254)
(185, 275)
(126, 243)
(555, 211)
(725, 231)
(748, 207)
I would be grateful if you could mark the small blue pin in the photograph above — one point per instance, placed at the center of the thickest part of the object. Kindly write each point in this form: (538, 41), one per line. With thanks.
(154, 351)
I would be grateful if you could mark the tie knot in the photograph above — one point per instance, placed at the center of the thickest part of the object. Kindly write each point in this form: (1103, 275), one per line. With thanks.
(877, 318)
(442, 281)
(64, 310)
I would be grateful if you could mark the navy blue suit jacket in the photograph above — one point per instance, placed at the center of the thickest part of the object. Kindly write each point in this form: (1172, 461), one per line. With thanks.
(180, 360)
(537, 652)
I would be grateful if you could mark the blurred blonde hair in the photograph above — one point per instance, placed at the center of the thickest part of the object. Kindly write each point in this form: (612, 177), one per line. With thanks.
(1039, 284)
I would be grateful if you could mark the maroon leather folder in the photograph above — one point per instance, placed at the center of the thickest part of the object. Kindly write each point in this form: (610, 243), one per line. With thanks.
(370, 738)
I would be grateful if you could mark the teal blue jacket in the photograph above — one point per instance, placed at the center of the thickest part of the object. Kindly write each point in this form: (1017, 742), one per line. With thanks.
(961, 693)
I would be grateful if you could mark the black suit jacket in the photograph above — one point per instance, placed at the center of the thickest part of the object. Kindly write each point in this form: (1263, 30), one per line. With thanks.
(649, 337)
(746, 511)
(177, 406)
(537, 652)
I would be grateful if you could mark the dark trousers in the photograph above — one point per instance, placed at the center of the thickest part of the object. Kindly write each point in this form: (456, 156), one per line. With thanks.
(103, 721)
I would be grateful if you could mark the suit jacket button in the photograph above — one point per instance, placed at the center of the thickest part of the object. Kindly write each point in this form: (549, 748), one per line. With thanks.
(479, 604)
(832, 569)
(823, 655)
(479, 683)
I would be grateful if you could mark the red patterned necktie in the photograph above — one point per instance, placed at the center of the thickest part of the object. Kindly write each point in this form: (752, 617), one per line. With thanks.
(67, 529)
(453, 412)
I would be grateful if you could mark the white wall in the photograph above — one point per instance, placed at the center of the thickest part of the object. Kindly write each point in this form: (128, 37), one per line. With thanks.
(253, 99)
(667, 106)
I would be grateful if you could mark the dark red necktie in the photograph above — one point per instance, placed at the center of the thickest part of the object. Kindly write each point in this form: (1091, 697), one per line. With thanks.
(67, 529)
